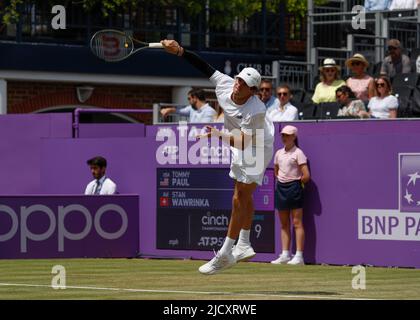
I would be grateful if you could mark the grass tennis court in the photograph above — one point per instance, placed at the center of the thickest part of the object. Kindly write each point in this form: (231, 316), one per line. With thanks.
(179, 279)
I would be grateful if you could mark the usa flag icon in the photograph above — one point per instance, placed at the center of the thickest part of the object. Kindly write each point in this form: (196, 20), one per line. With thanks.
(409, 182)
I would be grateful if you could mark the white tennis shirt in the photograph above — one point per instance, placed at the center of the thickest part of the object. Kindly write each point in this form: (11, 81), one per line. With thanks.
(107, 186)
(251, 115)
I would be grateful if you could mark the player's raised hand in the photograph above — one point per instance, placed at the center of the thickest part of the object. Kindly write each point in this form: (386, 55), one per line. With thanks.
(210, 131)
(173, 47)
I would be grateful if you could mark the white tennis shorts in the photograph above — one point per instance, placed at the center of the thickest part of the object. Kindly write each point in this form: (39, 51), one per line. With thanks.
(246, 171)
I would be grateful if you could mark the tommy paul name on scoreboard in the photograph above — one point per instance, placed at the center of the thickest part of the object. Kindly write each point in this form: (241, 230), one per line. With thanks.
(173, 195)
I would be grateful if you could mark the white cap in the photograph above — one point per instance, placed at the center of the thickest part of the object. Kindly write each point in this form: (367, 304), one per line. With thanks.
(251, 77)
(289, 130)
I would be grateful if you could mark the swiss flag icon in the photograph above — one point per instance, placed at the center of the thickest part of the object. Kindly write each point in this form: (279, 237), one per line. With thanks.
(164, 201)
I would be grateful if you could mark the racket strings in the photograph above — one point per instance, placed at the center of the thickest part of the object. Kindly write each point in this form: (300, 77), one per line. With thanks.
(111, 46)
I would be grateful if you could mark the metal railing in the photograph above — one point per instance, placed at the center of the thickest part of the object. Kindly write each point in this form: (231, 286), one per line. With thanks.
(331, 33)
(157, 117)
(174, 117)
(78, 111)
(296, 74)
(262, 32)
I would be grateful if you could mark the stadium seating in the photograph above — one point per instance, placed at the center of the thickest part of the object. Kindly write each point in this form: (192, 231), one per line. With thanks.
(308, 97)
(414, 54)
(328, 110)
(376, 69)
(406, 87)
(405, 79)
(415, 103)
(307, 111)
(298, 95)
(402, 91)
(405, 109)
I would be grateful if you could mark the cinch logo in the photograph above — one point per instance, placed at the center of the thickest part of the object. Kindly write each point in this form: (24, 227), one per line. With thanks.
(58, 224)
(215, 220)
(402, 224)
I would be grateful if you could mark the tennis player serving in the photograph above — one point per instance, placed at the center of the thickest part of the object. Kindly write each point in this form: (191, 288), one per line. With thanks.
(250, 132)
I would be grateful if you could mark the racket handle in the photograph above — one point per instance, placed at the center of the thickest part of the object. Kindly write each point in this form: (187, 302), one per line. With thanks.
(155, 45)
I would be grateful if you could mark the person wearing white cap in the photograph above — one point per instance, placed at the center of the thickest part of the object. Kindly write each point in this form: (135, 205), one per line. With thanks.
(330, 81)
(291, 170)
(250, 132)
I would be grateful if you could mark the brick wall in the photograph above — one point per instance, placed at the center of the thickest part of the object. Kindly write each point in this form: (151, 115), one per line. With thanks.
(26, 97)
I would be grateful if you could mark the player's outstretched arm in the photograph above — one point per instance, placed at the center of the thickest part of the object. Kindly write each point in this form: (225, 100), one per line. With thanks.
(240, 141)
(173, 47)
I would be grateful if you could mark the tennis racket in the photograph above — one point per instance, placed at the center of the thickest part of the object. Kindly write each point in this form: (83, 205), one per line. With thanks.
(114, 45)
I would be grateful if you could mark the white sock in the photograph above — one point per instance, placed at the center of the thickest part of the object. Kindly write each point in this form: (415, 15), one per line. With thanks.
(227, 246)
(244, 237)
(285, 253)
(299, 254)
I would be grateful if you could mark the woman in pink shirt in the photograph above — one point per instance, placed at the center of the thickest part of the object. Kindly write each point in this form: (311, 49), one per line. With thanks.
(291, 170)
(360, 83)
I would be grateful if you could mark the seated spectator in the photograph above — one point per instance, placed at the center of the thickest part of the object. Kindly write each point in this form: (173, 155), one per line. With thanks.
(199, 111)
(396, 62)
(330, 81)
(377, 5)
(283, 110)
(384, 105)
(351, 107)
(220, 116)
(101, 185)
(266, 93)
(360, 83)
(403, 4)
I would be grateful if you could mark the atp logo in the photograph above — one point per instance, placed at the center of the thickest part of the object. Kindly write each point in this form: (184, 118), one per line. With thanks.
(401, 224)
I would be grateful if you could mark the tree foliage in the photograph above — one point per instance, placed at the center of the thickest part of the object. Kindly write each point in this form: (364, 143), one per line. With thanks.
(232, 8)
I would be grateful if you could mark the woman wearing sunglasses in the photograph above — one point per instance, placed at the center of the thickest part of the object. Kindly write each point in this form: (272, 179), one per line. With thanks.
(330, 82)
(384, 105)
(350, 105)
(360, 83)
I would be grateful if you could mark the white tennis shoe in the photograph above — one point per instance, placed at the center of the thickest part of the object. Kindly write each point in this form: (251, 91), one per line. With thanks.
(243, 253)
(296, 261)
(282, 259)
(218, 263)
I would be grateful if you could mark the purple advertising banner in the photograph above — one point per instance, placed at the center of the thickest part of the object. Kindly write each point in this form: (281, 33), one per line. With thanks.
(357, 208)
(108, 130)
(20, 148)
(69, 226)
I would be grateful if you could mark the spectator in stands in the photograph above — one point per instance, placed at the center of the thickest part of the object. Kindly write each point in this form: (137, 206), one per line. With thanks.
(362, 85)
(403, 4)
(102, 185)
(384, 105)
(266, 93)
(199, 111)
(220, 115)
(350, 106)
(283, 110)
(330, 81)
(377, 5)
(396, 62)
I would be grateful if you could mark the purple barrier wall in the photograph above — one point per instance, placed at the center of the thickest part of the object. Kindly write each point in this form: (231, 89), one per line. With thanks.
(355, 183)
(114, 130)
(20, 145)
(69, 226)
